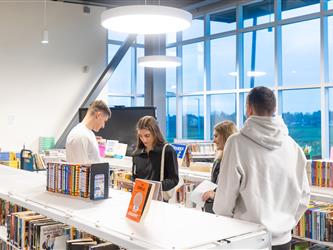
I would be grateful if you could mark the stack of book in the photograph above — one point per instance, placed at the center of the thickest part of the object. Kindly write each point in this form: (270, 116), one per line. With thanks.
(122, 180)
(321, 173)
(317, 222)
(29, 230)
(87, 181)
(6, 208)
(10, 159)
(68, 179)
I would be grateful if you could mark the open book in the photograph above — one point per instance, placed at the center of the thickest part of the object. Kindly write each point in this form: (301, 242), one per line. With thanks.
(196, 195)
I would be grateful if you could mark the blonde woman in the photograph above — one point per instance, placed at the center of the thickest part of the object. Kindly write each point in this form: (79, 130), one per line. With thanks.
(222, 131)
(148, 154)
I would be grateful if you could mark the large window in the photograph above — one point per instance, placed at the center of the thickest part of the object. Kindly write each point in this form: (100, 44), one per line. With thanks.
(193, 67)
(330, 119)
(140, 73)
(119, 101)
(171, 118)
(258, 12)
(301, 53)
(120, 81)
(301, 112)
(193, 120)
(259, 58)
(196, 29)
(223, 63)
(223, 107)
(299, 8)
(223, 21)
(330, 48)
(330, 4)
(126, 85)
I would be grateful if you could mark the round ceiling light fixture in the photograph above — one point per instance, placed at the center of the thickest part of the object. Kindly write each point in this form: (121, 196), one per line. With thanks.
(159, 61)
(146, 19)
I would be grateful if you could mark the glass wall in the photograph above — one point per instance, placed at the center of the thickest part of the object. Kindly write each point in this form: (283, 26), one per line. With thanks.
(330, 120)
(193, 67)
(258, 12)
(171, 118)
(196, 29)
(126, 85)
(259, 58)
(330, 48)
(193, 120)
(223, 63)
(301, 53)
(223, 107)
(297, 8)
(220, 64)
(303, 117)
(223, 21)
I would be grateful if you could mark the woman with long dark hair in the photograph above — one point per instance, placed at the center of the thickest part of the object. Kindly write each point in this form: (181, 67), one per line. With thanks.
(148, 154)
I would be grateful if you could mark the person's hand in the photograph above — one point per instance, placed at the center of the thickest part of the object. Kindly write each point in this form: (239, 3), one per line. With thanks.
(208, 195)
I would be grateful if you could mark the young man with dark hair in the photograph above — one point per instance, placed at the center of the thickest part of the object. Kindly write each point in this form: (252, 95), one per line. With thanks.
(81, 144)
(263, 175)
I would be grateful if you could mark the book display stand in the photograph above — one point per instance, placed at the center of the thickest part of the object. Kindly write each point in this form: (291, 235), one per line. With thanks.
(165, 226)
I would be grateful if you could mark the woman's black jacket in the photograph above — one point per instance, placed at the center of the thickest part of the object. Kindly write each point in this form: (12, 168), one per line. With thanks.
(148, 166)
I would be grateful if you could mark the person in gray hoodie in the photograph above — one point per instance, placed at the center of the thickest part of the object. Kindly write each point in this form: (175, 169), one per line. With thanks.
(263, 175)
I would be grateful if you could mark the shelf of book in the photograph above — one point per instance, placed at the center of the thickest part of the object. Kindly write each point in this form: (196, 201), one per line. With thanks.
(106, 218)
(322, 194)
(329, 244)
(186, 173)
(3, 237)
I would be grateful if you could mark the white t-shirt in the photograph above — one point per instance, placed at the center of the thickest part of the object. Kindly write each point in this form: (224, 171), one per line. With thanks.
(81, 146)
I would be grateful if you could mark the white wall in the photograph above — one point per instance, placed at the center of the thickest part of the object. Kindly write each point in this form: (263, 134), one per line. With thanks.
(42, 86)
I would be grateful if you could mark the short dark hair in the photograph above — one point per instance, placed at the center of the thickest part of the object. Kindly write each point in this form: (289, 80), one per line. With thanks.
(99, 106)
(263, 101)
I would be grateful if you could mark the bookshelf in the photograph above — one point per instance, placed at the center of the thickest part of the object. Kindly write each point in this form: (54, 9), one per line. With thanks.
(106, 218)
(186, 173)
(322, 194)
(3, 237)
(328, 244)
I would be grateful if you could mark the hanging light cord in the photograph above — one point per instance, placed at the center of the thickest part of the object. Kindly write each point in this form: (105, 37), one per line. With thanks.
(44, 14)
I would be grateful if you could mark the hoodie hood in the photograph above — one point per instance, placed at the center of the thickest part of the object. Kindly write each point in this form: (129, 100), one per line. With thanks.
(268, 132)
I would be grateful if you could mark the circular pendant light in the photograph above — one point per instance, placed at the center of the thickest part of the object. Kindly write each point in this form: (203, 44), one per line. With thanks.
(146, 19)
(159, 61)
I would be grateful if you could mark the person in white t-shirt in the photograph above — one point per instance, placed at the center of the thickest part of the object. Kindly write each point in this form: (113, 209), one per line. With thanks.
(81, 144)
(263, 176)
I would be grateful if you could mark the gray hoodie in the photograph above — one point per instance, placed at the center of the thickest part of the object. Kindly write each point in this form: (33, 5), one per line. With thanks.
(263, 178)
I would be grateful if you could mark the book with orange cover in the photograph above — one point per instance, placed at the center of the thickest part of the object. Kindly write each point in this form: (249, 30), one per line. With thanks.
(140, 201)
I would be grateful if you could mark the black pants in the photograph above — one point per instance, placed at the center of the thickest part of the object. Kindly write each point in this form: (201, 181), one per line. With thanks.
(286, 246)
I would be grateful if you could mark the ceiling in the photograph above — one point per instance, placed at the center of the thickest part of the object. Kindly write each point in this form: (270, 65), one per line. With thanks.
(198, 7)
(117, 3)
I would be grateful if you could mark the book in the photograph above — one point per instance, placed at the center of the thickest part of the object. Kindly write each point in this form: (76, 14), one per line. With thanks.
(105, 246)
(142, 195)
(88, 181)
(99, 181)
(196, 195)
(50, 237)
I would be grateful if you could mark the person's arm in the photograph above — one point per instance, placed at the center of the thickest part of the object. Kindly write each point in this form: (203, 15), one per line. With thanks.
(171, 177)
(229, 182)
